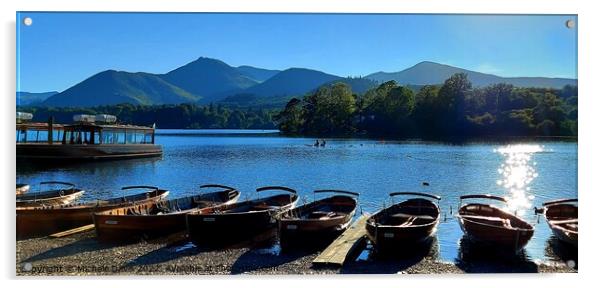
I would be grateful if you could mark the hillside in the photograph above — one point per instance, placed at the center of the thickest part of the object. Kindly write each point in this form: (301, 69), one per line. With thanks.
(425, 73)
(115, 87)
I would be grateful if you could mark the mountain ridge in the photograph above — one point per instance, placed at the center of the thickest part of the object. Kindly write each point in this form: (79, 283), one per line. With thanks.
(206, 80)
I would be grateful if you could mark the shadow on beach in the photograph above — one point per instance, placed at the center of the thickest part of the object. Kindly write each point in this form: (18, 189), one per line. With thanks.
(478, 258)
(371, 261)
(84, 245)
(558, 250)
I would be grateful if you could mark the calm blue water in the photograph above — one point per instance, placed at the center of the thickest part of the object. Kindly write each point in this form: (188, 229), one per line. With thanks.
(529, 173)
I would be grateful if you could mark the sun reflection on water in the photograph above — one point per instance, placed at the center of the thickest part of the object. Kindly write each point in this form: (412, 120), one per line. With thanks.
(517, 172)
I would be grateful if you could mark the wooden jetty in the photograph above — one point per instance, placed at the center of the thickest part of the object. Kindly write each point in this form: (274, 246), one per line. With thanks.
(345, 245)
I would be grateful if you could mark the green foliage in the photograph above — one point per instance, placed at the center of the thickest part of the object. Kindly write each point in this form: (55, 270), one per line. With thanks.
(454, 109)
(183, 116)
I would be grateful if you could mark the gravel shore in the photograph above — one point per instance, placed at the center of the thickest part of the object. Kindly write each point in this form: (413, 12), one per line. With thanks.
(82, 254)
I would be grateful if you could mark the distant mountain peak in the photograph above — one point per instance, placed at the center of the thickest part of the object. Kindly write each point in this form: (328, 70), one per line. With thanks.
(429, 72)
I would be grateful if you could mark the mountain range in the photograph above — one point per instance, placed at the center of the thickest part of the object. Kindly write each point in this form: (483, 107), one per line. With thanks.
(207, 80)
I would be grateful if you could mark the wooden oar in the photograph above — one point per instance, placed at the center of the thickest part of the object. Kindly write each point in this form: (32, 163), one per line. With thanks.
(73, 231)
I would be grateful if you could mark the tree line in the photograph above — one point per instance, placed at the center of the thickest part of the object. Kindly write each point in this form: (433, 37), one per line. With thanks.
(181, 116)
(454, 109)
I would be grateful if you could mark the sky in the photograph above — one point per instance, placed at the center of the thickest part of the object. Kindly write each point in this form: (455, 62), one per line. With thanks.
(59, 50)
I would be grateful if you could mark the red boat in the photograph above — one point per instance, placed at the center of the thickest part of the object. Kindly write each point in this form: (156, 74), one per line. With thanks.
(318, 221)
(562, 217)
(490, 225)
(42, 221)
(155, 219)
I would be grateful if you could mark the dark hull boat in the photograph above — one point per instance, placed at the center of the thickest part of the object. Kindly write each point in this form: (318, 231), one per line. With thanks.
(50, 197)
(319, 221)
(561, 216)
(155, 219)
(42, 221)
(492, 226)
(232, 223)
(411, 222)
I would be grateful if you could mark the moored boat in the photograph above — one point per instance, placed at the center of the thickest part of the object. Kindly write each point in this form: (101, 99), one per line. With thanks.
(318, 221)
(90, 137)
(562, 217)
(492, 226)
(45, 220)
(50, 197)
(239, 221)
(410, 222)
(154, 219)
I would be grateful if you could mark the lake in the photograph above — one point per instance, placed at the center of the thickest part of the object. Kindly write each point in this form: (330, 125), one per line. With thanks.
(528, 173)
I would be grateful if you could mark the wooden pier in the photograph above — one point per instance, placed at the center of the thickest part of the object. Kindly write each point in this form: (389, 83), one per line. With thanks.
(345, 245)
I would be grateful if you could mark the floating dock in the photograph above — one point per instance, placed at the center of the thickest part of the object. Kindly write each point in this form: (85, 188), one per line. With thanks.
(345, 245)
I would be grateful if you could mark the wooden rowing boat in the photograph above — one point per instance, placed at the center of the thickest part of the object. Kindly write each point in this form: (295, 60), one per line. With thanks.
(45, 220)
(239, 221)
(318, 221)
(50, 197)
(562, 216)
(155, 219)
(22, 188)
(413, 221)
(490, 225)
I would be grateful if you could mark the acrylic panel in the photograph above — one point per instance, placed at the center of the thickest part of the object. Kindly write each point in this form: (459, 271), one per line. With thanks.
(288, 143)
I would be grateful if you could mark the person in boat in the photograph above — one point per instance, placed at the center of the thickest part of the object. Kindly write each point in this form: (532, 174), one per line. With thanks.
(323, 144)
(317, 143)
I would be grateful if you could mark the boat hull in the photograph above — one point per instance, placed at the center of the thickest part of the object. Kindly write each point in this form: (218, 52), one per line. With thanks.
(133, 223)
(296, 232)
(52, 200)
(486, 232)
(42, 152)
(310, 225)
(111, 228)
(209, 228)
(216, 229)
(396, 237)
(556, 214)
(42, 221)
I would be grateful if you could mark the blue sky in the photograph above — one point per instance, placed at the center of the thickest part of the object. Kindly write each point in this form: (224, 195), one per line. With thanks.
(61, 49)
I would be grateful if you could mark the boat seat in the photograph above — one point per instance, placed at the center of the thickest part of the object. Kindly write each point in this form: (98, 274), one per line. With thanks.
(261, 207)
(421, 217)
(489, 220)
(559, 222)
(321, 215)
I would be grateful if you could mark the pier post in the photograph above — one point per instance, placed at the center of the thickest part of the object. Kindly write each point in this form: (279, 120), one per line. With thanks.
(50, 129)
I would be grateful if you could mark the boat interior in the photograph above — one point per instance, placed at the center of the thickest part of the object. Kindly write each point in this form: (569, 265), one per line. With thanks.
(109, 202)
(262, 204)
(486, 214)
(329, 208)
(563, 215)
(47, 194)
(412, 212)
(178, 205)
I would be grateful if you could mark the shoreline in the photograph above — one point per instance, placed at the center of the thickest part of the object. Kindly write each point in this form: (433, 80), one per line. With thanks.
(83, 255)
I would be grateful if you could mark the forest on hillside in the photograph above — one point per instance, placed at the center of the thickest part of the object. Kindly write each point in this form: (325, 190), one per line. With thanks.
(452, 110)
(180, 116)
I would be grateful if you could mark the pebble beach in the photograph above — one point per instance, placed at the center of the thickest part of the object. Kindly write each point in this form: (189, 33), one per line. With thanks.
(82, 255)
